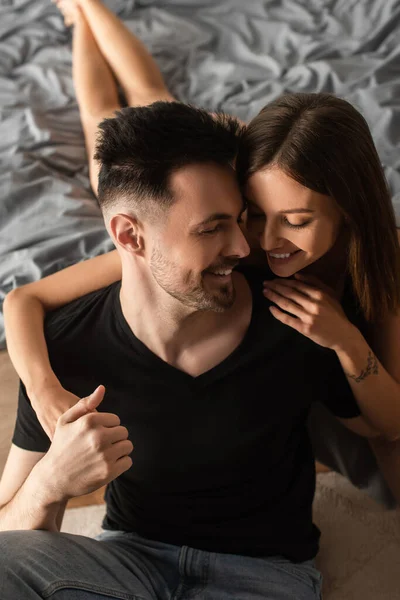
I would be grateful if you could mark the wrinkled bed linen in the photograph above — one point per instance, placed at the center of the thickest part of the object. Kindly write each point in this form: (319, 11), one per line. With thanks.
(230, 55)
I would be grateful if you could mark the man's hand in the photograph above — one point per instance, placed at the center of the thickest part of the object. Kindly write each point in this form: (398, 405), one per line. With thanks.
(89, 450)
(49, 404)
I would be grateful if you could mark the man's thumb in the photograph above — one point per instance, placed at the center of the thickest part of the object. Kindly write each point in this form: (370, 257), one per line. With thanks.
(84, 406)
(95, 398)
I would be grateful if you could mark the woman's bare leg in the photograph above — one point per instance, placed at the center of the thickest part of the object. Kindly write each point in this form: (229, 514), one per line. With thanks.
(129, 59)
(95, 86)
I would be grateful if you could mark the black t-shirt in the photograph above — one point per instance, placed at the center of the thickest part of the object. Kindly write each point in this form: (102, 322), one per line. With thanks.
(222, 461)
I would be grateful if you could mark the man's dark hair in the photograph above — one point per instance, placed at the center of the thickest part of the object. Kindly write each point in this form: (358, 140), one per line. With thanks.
(142, 146)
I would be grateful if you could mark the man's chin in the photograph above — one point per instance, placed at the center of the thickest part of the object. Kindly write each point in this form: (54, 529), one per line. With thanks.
(217, 302)
(225, 299)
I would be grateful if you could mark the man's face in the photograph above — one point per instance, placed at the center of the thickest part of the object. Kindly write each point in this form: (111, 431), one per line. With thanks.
(200, 239)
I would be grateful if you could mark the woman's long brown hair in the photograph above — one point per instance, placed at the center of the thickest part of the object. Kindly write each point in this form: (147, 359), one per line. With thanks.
(325, 144)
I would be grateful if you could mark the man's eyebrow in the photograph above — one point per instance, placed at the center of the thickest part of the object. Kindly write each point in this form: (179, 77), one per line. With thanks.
(297, 210)
(220, 217)
(214, 217)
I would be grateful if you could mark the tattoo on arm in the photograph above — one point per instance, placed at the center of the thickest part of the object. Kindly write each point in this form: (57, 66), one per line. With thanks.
(370, 369)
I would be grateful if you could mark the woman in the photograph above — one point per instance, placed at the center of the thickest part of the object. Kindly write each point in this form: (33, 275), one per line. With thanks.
(301, 221)
(320, 207)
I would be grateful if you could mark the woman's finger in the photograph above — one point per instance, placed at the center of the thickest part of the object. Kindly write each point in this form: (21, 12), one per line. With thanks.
(309, 291)
(314, 281)
(286, 303)
(295, 295)
(285, 318)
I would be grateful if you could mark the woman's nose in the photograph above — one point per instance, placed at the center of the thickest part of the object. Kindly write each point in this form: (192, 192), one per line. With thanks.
(270, 238)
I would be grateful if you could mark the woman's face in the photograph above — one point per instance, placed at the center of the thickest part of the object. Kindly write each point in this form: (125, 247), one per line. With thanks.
(295, 226)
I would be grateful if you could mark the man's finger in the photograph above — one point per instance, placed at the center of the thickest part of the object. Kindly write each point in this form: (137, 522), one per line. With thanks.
(117, 434)
(122, 465)
(95, 398)
(101, 419)
(120, 449)
(84, 406)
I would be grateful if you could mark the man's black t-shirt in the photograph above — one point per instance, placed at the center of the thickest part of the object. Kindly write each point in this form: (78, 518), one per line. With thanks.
(222, 461)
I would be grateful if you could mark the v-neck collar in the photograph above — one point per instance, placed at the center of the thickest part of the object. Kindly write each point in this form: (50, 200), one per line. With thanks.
(171, 371)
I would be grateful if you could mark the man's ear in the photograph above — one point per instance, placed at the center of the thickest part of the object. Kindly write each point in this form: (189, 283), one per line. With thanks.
(127, 233)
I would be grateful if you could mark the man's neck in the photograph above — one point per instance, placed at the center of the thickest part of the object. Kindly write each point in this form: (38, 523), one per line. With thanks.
(167, 327)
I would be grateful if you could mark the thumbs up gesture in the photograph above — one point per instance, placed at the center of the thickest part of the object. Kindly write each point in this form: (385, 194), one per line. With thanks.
(89, 449)
(49, 403)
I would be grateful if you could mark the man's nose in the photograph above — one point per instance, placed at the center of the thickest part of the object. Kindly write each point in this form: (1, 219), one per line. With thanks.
(239, 246)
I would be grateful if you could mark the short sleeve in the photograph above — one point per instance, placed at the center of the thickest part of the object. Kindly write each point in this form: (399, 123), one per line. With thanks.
(336, 392)
(28, 432)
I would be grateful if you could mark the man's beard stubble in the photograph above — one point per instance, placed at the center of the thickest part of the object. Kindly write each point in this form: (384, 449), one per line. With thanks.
(190, 293)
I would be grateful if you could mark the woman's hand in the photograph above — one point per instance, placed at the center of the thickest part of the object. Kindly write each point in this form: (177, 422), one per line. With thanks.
(314, 311)
(49, 404)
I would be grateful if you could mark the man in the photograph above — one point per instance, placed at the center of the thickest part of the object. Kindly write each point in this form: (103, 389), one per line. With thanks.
(211, 390)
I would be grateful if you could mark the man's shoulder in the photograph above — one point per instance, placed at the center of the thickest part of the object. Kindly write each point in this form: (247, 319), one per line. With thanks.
(254, 277)
(82, 312)
(267, 334)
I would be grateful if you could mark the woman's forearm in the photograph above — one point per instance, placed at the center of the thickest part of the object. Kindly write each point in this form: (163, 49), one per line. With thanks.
(25, 307)
(376, 391)
(26, 344)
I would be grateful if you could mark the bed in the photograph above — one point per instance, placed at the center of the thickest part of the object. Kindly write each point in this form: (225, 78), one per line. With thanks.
(229, 55)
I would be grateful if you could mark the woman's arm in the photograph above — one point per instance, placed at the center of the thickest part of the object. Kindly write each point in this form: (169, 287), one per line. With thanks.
(374, 375)
(311, 309)
(386, 343)
(24, 311)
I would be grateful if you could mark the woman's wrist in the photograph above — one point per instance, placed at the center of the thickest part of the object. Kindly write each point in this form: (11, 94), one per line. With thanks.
(353, 353)
(351, 343)
(41, 385)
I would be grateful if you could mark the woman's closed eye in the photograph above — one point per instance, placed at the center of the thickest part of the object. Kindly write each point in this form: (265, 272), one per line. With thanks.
(256, 216)
(296, 225)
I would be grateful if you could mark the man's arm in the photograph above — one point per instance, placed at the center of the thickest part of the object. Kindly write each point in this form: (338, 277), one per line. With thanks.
(89, 450)
(24, 499)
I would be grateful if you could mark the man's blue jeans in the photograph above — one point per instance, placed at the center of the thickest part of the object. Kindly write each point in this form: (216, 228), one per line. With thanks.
(125, 566)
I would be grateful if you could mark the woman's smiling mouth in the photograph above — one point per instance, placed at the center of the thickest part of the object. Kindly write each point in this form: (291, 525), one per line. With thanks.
(277, 258)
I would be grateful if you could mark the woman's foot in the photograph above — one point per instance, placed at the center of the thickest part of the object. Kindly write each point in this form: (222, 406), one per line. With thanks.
(70, 10)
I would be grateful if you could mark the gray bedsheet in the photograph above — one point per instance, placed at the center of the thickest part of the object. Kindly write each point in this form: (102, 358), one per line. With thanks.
(234, 55)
